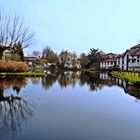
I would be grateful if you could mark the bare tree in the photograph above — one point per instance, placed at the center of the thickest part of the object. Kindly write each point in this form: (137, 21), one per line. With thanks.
(13, 31)
(36, 53)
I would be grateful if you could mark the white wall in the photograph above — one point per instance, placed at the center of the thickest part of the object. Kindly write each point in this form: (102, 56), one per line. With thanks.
(106, 65)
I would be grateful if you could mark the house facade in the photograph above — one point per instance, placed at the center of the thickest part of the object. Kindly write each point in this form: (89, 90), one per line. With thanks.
(130, 60)
(31, 59)
(69, 60)
(106, 64)
(120, 61)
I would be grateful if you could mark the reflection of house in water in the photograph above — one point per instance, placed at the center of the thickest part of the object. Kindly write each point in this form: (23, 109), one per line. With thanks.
(68, 78)
(122, 83)
(105, 79)
(48, 81)
(128, 87)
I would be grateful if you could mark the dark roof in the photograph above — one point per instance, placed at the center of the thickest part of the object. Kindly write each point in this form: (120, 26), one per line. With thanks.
(136, 47)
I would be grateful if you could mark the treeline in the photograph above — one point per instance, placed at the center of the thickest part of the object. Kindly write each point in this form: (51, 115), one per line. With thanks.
(90, 60)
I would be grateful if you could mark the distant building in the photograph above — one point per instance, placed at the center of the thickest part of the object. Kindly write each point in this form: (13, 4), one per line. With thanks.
(130, 60)
(69, 60)
(107, 56)
(120, 61)
(31, 59)
(106, 64)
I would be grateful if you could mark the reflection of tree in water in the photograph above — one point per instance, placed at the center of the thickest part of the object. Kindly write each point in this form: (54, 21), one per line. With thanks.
(14, 110)
(95, 81)
(91, 79)
(83, 79)
(48, 81)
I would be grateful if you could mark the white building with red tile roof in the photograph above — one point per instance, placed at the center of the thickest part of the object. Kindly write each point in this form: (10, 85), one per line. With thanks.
(130, 60)
(106, 64)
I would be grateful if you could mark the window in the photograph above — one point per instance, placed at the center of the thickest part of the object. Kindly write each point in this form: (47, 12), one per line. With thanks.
(133, 61)
(118, 62)
(138, 58)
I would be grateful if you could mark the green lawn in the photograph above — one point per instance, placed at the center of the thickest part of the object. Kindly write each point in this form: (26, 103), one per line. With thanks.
(129, 76)
(22, 74)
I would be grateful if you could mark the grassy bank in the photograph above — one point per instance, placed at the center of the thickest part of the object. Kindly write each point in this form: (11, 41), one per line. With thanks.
(22, 74)
(128, 76)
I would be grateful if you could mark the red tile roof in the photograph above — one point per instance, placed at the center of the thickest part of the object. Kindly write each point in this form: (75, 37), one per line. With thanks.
(131, 52)
(109, 60)
(137, 53)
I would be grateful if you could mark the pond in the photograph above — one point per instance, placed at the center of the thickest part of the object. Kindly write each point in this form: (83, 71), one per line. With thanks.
(69, 106)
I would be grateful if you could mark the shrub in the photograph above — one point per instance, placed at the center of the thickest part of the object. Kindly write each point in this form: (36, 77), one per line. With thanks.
(114, 68)
(12, 66)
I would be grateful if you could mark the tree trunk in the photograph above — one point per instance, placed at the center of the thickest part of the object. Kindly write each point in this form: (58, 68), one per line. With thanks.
(2, 49)
(1, 53)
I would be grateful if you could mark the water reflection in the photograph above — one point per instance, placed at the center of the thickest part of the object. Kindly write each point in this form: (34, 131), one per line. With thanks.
(14, 109)
(63, 114)
(48, 81)
(95, 81)
(14, 83)
(68, 78)
(92, 80)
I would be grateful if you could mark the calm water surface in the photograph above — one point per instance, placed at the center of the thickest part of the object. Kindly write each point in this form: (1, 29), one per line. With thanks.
(69, 106)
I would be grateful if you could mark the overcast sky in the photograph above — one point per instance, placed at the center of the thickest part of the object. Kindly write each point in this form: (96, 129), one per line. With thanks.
(78, 25)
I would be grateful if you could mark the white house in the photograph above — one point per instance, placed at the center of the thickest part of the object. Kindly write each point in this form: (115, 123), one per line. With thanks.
(69, 60)
(106, 64)
(130, 60)
(120, 61)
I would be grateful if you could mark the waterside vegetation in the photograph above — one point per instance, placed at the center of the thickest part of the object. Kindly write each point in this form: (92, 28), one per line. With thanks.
(22, 74)
(132, 77)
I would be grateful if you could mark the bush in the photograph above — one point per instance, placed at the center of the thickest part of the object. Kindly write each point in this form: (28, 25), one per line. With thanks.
(12, 66)
(114, 68)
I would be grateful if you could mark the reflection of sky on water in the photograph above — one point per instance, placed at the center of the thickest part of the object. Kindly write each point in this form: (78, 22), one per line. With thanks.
(78, 107)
